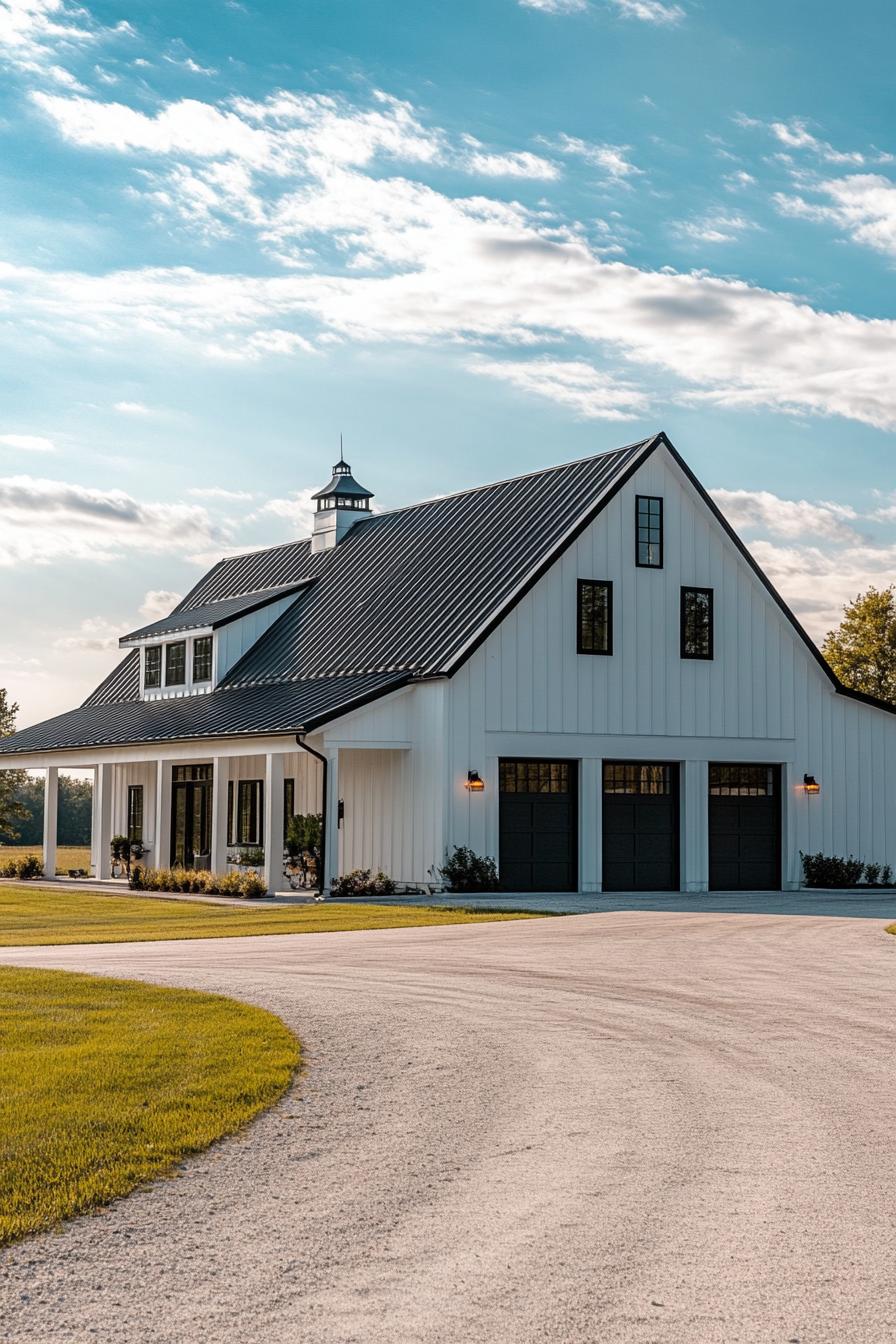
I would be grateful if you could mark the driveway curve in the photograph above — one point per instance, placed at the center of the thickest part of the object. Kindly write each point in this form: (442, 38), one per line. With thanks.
(657, 1128)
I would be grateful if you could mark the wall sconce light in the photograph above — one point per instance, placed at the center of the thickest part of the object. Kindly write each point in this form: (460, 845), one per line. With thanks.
(811, 784)
(475, 783)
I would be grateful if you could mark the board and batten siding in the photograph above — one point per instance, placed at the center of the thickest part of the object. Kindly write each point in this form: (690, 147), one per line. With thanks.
(527, 692)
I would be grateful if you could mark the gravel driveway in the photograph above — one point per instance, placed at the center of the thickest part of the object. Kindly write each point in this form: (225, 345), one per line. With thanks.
(610, 1128)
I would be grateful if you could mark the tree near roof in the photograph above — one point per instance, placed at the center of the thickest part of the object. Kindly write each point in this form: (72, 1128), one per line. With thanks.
(862, 650)
(11, 781)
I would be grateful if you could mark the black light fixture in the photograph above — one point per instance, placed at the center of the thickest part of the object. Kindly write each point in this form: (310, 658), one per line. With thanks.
(475, 783)
(811, 784)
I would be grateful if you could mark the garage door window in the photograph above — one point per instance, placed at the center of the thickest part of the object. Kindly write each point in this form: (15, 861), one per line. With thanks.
(741, 781)
(631, 777)
(535, 777)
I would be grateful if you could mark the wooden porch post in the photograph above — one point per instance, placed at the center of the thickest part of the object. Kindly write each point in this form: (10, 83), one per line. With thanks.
(51, 812)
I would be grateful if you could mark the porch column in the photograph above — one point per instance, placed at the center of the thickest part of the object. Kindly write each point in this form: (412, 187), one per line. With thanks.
(273, 821)
(101, 834)
(333, 858)
(51, 806)
(221, 780)
(161, 850)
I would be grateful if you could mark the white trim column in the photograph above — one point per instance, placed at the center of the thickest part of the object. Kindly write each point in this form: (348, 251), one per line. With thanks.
(591, 824)
(101, 834)
(51, 815)
(694, 825)
(161, 849)
(273, 821)
(220, 791)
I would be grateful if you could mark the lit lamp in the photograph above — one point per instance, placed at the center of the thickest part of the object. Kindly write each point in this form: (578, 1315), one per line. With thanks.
(475, 783)
(811, 784)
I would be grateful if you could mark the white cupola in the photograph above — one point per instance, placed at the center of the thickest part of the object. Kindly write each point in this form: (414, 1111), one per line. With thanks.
(340, 505)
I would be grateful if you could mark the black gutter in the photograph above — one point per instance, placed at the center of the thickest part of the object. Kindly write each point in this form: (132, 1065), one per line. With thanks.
(300, 741)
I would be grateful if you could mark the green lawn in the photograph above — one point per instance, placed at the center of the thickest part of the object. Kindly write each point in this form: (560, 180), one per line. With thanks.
(106, 1083)
(31, 915)
(67, 856)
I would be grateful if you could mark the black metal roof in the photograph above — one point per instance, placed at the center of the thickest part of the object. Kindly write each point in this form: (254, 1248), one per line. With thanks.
(405, 593)
(211, 614)
(248, 712)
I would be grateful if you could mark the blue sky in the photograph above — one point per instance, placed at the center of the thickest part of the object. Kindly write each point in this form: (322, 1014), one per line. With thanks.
(475, 239)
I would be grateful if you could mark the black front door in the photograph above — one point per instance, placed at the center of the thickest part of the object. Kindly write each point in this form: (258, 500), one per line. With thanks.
(640, 826)
(191, 812)
(538, 825)
(744, 827)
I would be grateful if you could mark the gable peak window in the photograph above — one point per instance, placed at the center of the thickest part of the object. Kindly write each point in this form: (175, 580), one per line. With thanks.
(696, 623)
(649, 531)
(595, 616)
(152, 665)
(202, 658)
(176, 664)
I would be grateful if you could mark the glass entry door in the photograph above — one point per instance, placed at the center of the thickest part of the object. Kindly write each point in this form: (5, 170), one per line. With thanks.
(191, 816)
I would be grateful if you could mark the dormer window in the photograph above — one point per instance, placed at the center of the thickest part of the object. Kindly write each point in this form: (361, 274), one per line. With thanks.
(176, 664)
(152, 667)
(202, 658)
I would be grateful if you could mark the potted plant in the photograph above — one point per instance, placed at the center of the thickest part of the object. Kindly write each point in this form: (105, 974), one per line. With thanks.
(120, 848)
(301, 849)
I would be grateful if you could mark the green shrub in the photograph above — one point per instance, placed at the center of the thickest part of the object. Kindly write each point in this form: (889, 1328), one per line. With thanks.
(197, 882)
(465, 871)
(820, 870)
(23, 866)
(252, 886)
(362, 883)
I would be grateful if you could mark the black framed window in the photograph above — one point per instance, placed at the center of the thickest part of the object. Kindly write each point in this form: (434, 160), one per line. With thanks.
(230, 811)
(696, 622)
(289, 804)
(175, 664)
(182, 774)
(152, 665)
(649, 531)
(595, 616)
(249, 811)
(633, 777)
(202, 658)
(135, 813)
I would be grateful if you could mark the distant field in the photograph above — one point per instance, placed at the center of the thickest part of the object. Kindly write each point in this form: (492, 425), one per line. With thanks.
(67, 856)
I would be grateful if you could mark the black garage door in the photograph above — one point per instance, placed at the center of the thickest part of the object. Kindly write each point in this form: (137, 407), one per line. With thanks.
(640, 839)
(539, 830)
(744, 827)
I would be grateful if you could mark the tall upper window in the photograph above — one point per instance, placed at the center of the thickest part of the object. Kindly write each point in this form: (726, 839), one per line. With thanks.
(696, 622)
(135, 813)
(595, 616)
(202, 658)
(175, 664)
(152, 665)
(649, 527)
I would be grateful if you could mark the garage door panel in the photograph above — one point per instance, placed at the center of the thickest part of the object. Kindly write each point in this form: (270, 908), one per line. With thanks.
(640, 826)
(538, 843)
(744, 827)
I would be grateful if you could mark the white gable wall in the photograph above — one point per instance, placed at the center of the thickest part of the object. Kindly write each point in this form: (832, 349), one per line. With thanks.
(527, 692)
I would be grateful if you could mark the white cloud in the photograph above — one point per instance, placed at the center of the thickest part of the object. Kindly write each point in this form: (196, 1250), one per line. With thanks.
(132, 408)
(863, 204)
(297, 508)
(94, 635)
(592, 394)
(714, 227)
(42, 521)
(27, 443)
(187, 63)
(158, 602)
(36, 34)
(216, 492)
(818, 582)
(612, 160)
(556, 6)
(386, 258)
(650, 11)
(739, 180)
(513, 164)
(791, 518)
